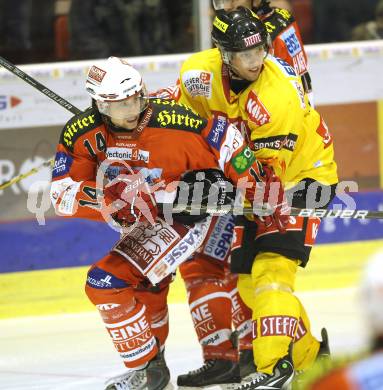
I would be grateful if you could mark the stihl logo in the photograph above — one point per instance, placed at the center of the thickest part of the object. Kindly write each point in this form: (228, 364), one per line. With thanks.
(256, 110)
(8, 102)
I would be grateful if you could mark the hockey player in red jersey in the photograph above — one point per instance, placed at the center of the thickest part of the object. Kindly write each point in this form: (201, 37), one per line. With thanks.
(114, 162)
(286, 38)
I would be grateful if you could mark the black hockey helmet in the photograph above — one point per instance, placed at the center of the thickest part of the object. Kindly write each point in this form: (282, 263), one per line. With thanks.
(239, 30)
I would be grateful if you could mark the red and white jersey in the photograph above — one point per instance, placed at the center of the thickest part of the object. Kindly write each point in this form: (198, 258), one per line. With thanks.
(288, 44)
(172, 140)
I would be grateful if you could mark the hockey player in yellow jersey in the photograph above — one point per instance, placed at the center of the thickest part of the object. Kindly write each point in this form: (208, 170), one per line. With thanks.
(240, 82)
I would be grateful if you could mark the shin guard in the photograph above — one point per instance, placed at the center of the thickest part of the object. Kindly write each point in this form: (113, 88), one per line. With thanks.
(208, 302)
(130, 331)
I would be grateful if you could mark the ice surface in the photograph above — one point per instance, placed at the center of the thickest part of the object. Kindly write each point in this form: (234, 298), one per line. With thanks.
(73, 351)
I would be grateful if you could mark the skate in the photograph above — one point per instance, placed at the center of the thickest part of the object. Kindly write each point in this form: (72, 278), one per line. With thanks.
(324, 349)
(281, 377)
(213, 372)
(323, 359)
(246, 363)
(155, 376)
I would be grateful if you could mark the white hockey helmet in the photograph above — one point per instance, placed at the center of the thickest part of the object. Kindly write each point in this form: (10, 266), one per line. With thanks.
(114, 80)
(372, 292)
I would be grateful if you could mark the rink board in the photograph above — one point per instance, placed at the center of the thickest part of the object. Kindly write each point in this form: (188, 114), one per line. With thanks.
(332, 266)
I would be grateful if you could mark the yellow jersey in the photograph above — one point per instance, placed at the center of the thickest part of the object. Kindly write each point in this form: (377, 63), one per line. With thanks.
(273, 113)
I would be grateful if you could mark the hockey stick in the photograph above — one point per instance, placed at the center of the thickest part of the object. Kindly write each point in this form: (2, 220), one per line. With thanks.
(345, 214)
(294, 212)
(22, 176)
(40, 87)
(47, 92)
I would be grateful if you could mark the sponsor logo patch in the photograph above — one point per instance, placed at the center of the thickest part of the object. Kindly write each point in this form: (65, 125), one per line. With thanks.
(96, 74)
(292, 42)
(63, 162)
(277, 142)
(198, 83)
(324, 132)
(76, 126)
(243, 161)
(301, 330)
(188, 242)
(218, 243)
(253, 40)
(146, 243)
(100, 279)
(284, 66)
(312, 231)
(301, 93)
(166, 118)
(256, 110)
(237, 240)
(130, 154)
(218, 23)
(255, 330)
(217, 131)
(278, 326)
(300, 64)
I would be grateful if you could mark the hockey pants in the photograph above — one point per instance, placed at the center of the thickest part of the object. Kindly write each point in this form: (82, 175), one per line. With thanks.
(278, 315)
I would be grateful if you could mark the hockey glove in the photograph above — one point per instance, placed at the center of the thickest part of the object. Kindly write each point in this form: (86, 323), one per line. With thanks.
(274, 210)
(130, 198)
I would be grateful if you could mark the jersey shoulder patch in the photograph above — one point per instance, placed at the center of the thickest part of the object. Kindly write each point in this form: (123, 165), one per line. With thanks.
(278, 21)
(78, 125)
(291, 40)
(286, 69)
(168, 114)
(198, 82)
(197, 73)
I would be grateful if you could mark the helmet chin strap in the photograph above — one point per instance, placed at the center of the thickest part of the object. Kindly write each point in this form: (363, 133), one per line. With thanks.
(233, 73)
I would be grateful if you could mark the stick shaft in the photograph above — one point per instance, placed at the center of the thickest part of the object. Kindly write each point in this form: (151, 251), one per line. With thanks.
(40, 87)
(47, 92)
(321, 213)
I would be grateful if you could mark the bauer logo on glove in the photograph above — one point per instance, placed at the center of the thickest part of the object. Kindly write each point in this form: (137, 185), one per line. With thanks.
(130, 199)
